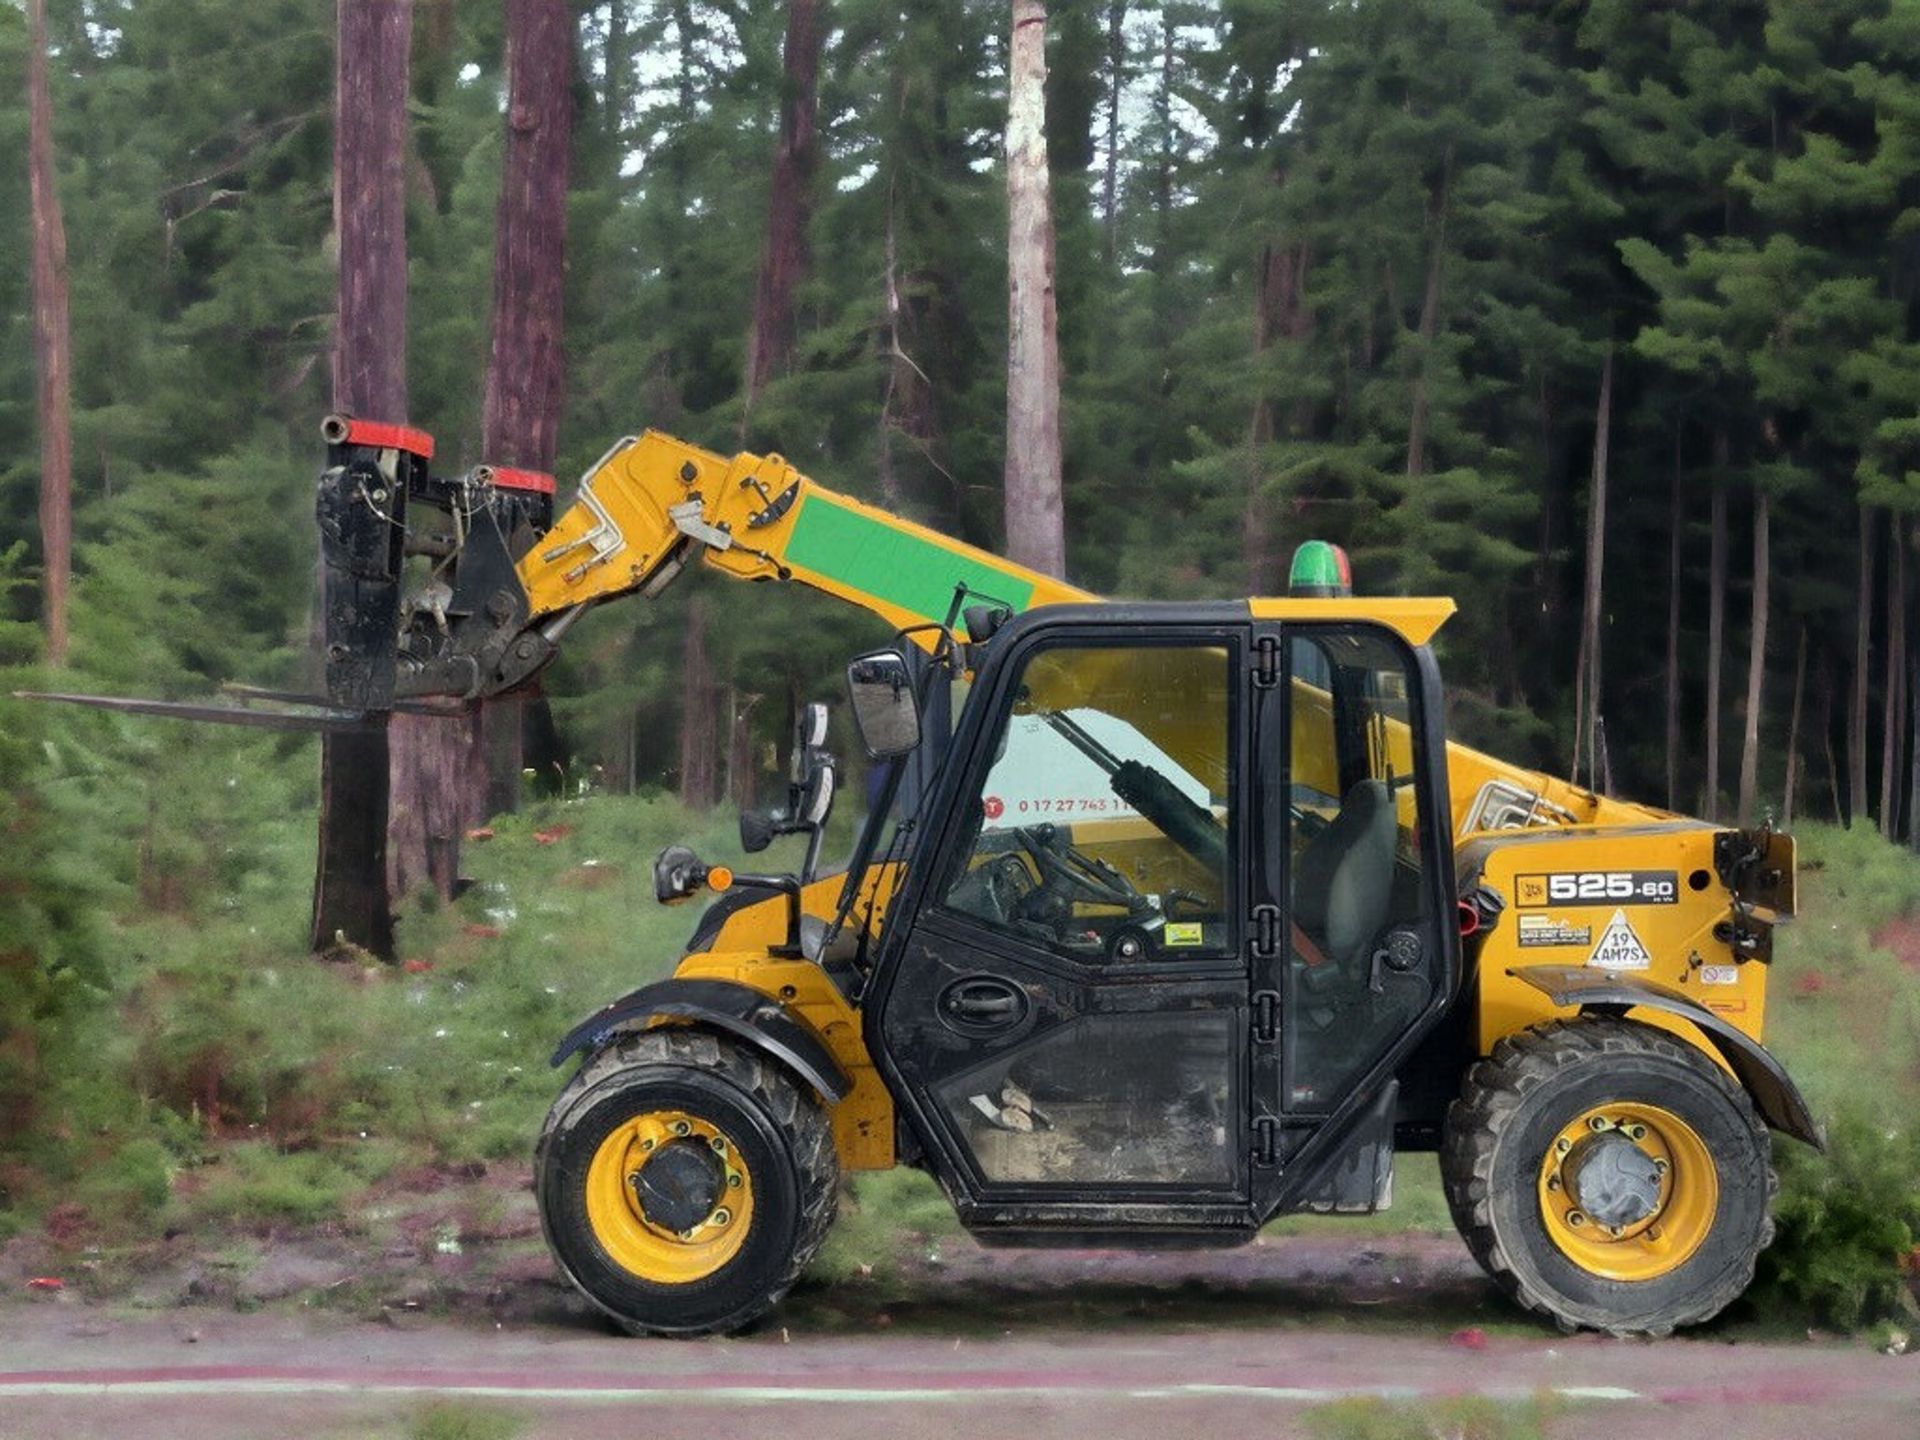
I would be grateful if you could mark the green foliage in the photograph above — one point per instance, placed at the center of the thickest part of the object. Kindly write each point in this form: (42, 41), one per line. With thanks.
(1848, 1227)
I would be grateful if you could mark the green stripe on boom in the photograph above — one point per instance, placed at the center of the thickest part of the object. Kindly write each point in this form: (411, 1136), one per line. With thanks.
(893, 565)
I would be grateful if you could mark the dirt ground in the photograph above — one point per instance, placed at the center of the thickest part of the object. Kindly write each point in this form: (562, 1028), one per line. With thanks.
(985, 1343)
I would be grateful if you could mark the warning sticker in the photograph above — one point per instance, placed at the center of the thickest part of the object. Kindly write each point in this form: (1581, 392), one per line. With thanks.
(1184, 932)
(1545, 930)
(1619, 947)
(1719, 974)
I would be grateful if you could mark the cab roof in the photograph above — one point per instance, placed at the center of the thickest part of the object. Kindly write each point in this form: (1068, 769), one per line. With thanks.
(1415, 619)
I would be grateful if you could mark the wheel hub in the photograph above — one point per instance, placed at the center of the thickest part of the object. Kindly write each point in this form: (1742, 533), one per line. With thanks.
(1612, 1179)
(679, 1185)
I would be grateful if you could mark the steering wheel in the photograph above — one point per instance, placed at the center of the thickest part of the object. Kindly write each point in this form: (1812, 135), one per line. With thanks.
(1004, 884)
(1074, 874)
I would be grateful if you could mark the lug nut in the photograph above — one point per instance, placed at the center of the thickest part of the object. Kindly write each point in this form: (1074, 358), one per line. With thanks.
(722, 1215)
(1576, 1219)
(681, 1127)
(647, 1144)
(719, 1145)
(733, 1182)
(1597, 1123)
(1636, 1132)
(1553, 1182)
(1562, 1146)
(1660, 1165)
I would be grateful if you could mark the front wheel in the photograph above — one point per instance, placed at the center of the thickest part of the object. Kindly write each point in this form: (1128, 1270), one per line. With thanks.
(684, 1182)
(1607, 1174)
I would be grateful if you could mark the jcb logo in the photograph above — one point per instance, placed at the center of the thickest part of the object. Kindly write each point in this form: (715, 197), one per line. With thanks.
(1533, 890)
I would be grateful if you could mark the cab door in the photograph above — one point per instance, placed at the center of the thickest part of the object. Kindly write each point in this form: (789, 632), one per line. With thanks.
(1354, 947)
(1066, 1012)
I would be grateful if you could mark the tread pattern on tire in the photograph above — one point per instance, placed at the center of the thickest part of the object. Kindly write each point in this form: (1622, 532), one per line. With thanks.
(797, 1115)
(1492, 1094)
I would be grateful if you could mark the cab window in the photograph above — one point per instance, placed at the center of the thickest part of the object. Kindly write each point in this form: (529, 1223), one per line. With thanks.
(1362, 951)
(1104, 828)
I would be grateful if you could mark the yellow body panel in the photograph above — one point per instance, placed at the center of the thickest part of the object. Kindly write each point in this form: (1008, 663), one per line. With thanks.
(1416, 620)
(863, 1121)
(1676, 938)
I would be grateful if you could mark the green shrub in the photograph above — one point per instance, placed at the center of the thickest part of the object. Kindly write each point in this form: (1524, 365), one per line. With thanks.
(1848, 1223)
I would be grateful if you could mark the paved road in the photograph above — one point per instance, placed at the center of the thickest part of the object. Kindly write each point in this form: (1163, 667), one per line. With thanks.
(73, 1371)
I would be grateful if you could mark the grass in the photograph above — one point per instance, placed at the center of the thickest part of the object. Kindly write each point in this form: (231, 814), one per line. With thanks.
(1466, 1418)
(460, 1420)
(1843, 1014)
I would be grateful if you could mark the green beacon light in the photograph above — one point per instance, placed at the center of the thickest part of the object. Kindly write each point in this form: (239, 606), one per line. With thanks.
(1320, 571)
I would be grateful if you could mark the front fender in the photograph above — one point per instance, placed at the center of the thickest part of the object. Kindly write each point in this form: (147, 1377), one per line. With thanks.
(742, 1012)
(1607, 992)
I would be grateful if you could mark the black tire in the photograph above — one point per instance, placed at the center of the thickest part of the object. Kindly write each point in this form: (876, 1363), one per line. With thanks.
(783, 1136)
(1512, 1107)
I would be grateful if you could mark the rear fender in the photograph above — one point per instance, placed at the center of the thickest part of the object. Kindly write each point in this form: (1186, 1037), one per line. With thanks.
(1606, 992)
(743, 1013)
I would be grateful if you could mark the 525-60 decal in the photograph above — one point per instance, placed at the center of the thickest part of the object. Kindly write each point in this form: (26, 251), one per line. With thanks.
(1600, 887)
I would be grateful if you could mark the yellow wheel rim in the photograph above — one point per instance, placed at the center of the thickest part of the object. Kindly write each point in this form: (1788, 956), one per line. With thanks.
(1657, 1243)
(638, 1245)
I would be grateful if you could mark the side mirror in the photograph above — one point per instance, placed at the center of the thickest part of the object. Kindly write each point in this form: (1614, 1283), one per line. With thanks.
(809, 795)
(757, 829)
(886, 710)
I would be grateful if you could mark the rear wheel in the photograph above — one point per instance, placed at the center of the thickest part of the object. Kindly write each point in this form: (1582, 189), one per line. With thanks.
(1607, 1174)
(684, 1182)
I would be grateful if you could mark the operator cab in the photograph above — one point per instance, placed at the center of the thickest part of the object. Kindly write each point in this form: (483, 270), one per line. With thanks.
(1180, 907)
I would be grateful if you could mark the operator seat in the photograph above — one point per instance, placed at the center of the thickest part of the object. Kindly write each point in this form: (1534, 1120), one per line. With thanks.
(1343, 885)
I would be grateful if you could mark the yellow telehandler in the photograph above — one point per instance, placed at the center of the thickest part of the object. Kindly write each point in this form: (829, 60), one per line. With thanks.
(1165, 919)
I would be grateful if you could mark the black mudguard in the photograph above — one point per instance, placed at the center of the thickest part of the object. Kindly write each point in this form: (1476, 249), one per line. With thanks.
(1607, 992)
(741, 1012)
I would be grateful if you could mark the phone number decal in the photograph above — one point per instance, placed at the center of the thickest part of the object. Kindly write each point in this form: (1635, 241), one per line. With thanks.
(1600, 887)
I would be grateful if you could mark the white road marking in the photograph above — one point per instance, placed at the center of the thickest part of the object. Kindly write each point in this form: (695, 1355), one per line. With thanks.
(755, 1394)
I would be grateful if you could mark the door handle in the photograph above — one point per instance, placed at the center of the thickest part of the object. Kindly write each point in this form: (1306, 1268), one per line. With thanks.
(983, 1003)
(983, 1007)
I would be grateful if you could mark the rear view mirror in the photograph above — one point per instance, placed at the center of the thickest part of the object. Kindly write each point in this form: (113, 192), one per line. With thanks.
(886, 710)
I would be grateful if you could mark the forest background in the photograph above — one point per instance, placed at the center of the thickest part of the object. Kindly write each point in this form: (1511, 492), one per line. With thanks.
(1601, 316)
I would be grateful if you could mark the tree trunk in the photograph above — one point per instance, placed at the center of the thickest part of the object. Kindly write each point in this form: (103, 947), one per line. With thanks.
(1823, 687)
(1587, 681)
(1862, 659)
(526, 364)
(1913, 749)
(350, 894)
(52, 341)
(1116, 86)
(1035, 511)
(1429, 319)
(699, 741)
(1676, 520)
(1893, 702)
(787, 259)
(1716, 623)
(1793, 733)
(618, 60)
(1756, 654)
(741, 771)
